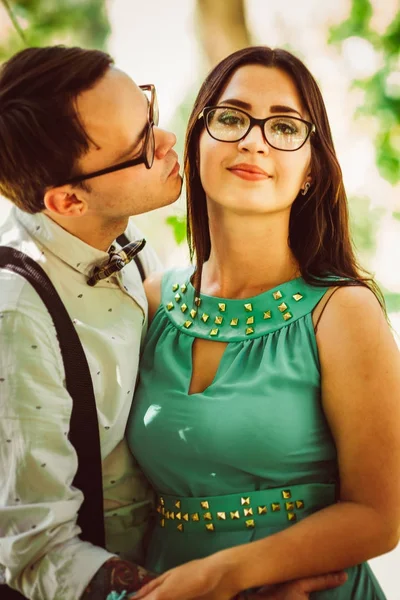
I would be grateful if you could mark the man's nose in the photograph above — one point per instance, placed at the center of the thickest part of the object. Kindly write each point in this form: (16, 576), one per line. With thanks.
(164, 141)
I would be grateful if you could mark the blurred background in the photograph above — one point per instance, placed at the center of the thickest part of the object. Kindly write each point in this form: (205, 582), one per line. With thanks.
(352, 47)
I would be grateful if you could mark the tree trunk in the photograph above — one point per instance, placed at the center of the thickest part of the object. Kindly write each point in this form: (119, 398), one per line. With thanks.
(222, 28)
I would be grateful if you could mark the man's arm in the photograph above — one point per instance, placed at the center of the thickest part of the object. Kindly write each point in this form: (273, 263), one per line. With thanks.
(116, 575)
(40, 547)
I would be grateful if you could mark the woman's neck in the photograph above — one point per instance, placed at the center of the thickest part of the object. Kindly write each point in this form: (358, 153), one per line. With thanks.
(249, 255)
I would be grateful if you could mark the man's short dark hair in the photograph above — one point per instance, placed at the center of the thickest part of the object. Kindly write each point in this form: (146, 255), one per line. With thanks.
(41, 136)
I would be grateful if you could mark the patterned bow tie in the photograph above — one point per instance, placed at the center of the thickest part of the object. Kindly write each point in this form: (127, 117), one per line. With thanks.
(116, 262)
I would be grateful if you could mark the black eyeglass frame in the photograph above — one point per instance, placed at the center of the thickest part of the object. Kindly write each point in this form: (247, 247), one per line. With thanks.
(142, 158)
(252, 123)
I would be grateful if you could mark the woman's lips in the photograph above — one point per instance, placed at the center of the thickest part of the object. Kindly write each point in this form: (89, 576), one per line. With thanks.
(249, 172)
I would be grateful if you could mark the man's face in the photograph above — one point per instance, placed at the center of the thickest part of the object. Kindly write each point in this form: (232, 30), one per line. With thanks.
(114, 115)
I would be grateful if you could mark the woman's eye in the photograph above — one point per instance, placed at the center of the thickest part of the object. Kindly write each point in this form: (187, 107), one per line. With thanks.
(229, 118)
(284, 128)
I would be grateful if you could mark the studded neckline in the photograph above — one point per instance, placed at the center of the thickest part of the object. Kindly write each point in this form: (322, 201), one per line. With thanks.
(226, 319)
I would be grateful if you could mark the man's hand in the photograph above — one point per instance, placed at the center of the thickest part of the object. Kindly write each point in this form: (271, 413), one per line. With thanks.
(300, 589)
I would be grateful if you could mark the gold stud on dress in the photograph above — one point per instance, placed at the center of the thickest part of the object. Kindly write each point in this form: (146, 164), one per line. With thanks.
(262, 510)
(207, 516)
(286, 494)
(221, 516)
(193, 313)
(287, 316)
(245, 501)
(170, 306)
(250, 321)
(222, 306)
(235, 514)
(277, 295)
(267, 314)
(289, 505)
(249, 330)
(248, 512)
(184, 308)
(195, 517)
(204, 504)
(210, 527)
(205, 317)
(214, 332)
(177, 297)
(282, 307)
(180, 527)
(299, 503)
(248, 307)
(188, 324)
(175, 287)
(218, 320)
(297, 297)
(185, 516)
(276, 507)
(250, 524)
(183, 288)
(234, 322)
(291, 516)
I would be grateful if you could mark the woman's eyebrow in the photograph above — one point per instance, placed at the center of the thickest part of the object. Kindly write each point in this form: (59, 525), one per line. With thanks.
(279, 108)
(275, 108)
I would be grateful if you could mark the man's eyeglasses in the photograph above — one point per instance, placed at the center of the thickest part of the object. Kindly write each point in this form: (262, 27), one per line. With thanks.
(147, 154)
(282, 132)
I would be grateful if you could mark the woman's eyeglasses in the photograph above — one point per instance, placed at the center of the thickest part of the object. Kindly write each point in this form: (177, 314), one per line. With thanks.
(282, 132)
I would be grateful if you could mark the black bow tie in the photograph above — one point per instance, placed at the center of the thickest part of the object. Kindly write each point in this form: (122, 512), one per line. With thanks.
(116, 262)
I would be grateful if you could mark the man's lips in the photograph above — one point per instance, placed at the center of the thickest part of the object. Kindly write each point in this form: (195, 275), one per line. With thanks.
(249, 172)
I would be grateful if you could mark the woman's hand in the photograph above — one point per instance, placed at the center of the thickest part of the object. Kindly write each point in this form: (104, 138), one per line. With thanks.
(300, 589)
(205, 579)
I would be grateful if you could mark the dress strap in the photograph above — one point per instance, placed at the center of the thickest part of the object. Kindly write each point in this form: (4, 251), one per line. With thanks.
(325, 301)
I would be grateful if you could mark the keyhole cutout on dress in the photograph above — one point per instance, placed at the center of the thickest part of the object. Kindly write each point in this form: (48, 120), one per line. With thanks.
(206, 359)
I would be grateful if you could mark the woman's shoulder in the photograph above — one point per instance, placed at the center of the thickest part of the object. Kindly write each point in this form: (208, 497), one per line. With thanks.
(352, 315)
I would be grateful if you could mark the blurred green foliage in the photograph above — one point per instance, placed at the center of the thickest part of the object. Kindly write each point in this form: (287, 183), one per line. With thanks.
(382, 89)
(46, 22)
(364, 221)
(178, 224)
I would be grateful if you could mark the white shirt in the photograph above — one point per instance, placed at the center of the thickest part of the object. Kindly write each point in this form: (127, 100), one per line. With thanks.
(39, 545)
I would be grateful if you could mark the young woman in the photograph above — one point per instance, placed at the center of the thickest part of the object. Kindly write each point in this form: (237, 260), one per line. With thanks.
(268, 415)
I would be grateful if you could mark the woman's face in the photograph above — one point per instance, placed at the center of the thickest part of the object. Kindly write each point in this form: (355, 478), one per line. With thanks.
(227, 170)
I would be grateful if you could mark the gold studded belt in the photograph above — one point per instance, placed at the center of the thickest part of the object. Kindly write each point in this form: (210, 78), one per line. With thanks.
(233, 512)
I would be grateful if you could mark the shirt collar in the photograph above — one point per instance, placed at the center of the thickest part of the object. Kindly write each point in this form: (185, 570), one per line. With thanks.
(70, 249)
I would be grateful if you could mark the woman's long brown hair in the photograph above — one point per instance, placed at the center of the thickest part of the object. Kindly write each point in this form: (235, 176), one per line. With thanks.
(319, 233)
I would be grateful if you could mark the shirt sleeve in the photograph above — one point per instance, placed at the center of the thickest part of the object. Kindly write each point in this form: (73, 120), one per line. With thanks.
(39, 544)
(151, 262)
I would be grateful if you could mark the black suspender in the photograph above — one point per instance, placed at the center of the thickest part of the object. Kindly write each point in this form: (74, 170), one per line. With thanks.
(84, 429)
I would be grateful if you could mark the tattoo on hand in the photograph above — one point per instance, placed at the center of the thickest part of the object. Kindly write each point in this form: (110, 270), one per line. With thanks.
(116, 575)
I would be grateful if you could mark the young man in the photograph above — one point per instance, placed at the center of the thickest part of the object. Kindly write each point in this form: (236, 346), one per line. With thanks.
(80, 152)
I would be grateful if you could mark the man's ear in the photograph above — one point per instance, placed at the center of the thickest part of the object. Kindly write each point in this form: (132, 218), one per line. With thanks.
(64, 202)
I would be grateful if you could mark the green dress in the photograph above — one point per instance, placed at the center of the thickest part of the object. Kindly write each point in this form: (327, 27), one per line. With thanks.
(251, 454)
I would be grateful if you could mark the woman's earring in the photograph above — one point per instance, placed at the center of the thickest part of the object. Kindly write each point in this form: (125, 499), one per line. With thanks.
(307, 186)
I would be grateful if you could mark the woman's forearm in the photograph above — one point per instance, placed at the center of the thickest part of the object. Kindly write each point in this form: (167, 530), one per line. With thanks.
(332, 539)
